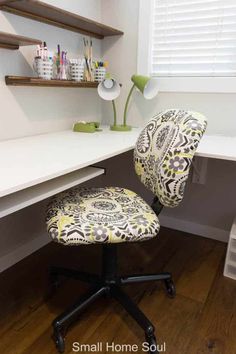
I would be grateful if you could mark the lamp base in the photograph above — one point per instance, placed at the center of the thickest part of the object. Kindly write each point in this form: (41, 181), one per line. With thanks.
(121, 128)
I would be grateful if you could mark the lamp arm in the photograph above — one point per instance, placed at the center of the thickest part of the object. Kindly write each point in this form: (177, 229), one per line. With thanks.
(114, 111)
(127, 104)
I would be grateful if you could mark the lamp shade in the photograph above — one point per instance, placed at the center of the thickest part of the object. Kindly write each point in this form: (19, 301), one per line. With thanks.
(109, 89)
(147, 85)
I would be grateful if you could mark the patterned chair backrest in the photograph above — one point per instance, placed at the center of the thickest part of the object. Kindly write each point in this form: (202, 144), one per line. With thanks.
(164, 152)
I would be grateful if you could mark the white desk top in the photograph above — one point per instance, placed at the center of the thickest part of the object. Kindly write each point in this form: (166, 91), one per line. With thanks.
(29, 161)
(217, 147)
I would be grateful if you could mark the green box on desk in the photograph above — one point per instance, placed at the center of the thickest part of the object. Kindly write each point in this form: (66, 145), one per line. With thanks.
(90, 127)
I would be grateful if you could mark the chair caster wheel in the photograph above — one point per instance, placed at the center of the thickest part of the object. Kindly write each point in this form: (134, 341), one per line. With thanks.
(60, 342)
(170, 288)
(152, 345)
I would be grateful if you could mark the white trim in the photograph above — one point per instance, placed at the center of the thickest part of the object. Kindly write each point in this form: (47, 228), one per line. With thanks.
(197, 84)
(144, 37)
(19, 253)
(194, 228)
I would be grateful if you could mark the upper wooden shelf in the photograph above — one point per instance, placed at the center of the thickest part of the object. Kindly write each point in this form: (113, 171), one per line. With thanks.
(12, 41)
(42, 12)
(34, 81)
(3, 2)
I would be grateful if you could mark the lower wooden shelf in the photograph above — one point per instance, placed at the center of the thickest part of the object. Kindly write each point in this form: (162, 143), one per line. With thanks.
(34, 81)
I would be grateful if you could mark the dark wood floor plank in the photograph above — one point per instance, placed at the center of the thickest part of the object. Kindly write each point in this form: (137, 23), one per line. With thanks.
(169, 317)
(198, 276)
(216, 328)
(174, 320)
(83, 329)
(205, 306)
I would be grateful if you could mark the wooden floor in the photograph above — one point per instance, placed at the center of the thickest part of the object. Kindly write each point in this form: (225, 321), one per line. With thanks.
(201, 319)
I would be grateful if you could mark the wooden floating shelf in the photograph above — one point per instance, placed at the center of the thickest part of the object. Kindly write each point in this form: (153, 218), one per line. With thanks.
(12, 41)
(3, 2)
(42, 12)
(34, 81)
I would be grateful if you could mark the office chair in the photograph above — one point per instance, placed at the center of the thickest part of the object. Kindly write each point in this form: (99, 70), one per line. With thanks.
(111, 215)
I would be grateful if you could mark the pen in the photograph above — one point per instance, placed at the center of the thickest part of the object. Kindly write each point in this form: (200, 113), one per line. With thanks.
(58, 60)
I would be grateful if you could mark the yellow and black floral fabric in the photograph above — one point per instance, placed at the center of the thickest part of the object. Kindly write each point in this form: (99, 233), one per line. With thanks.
(164, 153)
(100, 215)
(163, 156)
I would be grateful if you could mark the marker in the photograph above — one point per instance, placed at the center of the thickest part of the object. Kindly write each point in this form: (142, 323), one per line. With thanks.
(45, 51)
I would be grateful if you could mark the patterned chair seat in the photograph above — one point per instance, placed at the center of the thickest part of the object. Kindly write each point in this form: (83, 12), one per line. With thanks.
(100, 215)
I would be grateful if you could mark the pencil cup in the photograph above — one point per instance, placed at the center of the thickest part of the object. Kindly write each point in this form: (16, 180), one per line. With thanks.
(100, 74)
(43, 68)
(61, 71)
(77, 69)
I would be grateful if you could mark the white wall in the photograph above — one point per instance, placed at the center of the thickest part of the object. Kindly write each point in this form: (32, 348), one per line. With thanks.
(29, 111)
(208, 209)
(87, 8)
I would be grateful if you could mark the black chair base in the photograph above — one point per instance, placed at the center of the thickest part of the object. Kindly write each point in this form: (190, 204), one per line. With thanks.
(106, 284)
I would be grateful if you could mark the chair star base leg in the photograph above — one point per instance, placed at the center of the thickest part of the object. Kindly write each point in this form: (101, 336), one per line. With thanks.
(108, 284)
(144, 278)
(62, 322)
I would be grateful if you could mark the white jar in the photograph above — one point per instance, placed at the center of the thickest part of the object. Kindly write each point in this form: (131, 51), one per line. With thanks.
(77, 69)
(100, 74)
(43, 68)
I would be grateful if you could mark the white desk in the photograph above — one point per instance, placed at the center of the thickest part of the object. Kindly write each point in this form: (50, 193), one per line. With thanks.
(35, 168)
(217, 147)
(29, 161)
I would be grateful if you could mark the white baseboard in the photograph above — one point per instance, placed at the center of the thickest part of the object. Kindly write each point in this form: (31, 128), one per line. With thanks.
(16, 255)
(194, 228)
